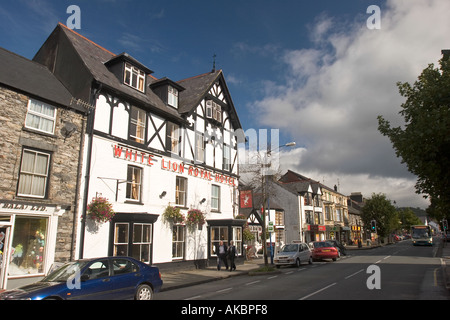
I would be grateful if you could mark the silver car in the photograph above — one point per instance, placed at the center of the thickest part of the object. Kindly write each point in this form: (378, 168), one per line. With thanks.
(293, 254)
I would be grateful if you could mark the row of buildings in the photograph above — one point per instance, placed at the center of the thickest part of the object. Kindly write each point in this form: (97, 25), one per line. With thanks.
(80, 124)
(300, 208)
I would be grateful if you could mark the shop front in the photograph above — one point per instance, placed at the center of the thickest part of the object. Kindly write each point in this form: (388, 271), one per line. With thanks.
(27, 241)
(226, 231)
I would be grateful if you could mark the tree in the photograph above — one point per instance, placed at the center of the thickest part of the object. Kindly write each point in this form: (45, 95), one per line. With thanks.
(380, 209)
(408, 218)
(423, 143)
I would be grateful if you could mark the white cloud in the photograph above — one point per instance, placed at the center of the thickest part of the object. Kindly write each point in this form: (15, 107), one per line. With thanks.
(334, 91)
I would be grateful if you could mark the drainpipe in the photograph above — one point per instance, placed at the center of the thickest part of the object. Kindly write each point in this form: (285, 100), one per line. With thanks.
(90, 131)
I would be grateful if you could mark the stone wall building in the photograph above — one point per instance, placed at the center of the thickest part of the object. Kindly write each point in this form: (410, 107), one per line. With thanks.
(40, 142)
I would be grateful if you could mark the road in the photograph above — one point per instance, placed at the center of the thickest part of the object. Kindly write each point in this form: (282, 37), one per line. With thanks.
(404, 272)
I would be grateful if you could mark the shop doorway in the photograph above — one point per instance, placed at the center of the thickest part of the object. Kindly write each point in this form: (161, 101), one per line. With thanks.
(5, 232)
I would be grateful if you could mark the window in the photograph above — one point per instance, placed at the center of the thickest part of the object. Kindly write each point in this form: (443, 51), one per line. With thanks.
(213, 110)
(181, 191)
(139, 246)
(173, 137)
(97, 270)
(215, 197)
(142, 235)
(200, 147)
(33, 174)
(218, 234)
(309, 217)
(226, 158)
(134, 183)
(237, 239)
(134, 77)
(178, 242)
(40, 116)
(172, 98)
(121, 232)
(137, 124)
(28, 246)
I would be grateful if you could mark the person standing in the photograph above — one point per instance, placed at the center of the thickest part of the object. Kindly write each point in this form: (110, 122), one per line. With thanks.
(232, 255)
(221, 251)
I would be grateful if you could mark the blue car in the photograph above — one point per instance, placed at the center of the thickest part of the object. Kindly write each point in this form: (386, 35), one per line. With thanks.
(109, 278)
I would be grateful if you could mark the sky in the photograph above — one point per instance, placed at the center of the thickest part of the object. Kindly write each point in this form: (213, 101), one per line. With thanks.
(317, 72)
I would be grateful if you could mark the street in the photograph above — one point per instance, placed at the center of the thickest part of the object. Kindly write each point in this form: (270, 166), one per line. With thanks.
(405, 273)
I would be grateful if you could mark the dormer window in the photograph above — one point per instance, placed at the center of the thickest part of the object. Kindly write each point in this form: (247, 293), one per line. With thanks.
(172, 98)
(134, 77)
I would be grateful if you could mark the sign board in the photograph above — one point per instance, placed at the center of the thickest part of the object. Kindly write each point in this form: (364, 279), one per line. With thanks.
(270, 228)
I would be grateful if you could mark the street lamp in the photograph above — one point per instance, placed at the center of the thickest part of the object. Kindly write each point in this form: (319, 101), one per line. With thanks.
(289, 144)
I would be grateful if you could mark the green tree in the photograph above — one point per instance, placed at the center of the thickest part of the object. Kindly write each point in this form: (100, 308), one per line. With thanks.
(423, 143)
(380, 209)
(408, 218)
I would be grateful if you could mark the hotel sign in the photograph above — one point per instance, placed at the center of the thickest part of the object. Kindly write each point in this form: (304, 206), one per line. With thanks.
(172, 166)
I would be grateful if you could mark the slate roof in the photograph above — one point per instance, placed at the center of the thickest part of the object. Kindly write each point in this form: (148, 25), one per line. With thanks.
(34, 79)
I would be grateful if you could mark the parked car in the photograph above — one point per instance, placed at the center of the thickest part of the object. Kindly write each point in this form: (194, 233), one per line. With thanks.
(339, 246)
(324, 250)
(293, 254)
(106, 278)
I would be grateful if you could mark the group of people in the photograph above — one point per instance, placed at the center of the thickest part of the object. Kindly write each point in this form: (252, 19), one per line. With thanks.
(224, 253)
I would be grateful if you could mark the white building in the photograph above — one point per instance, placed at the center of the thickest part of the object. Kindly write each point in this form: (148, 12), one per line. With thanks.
(150, 143)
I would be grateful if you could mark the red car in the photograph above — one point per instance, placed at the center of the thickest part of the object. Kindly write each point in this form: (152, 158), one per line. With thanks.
(324, 250)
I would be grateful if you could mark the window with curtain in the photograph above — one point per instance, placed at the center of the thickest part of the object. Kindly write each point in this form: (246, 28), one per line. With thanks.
(40, 116)
(178, 242)
(181, 191)
(137, 125)
(215, 197)
(33, 175)
(134, 183)
(173, 137)
(200, 147)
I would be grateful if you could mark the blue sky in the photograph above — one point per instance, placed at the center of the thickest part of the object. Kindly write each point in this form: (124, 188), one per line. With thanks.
(311, 69)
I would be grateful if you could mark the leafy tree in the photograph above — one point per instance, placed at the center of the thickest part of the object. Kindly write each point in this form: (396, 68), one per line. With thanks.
(423, 143)
(380, 209)
(408, 218)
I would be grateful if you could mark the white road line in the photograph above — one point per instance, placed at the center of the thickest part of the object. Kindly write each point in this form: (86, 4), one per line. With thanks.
(224, 290)
(250, 283)
(386, 257)
(193, 298)
(290, 272)
(354, 274)
(272, 277)
(316, 292)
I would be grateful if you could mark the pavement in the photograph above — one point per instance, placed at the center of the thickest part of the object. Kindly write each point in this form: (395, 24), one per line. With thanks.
(186, 278)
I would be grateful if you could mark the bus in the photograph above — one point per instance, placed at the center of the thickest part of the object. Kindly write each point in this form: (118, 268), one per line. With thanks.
(421, 235)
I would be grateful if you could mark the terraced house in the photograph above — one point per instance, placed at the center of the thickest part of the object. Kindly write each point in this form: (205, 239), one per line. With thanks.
(153, 147)
(41, 142)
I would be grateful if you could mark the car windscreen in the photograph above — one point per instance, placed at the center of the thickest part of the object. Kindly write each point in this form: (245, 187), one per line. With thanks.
(322, 244)
(290, 248)
(66, 271)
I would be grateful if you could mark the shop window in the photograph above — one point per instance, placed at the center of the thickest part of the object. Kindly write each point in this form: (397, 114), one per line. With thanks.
(40, 116)
(134, 183)
(178, 242)
(137, 125)
(215, 197)
(28, 246)
(218, 234)
(33, 174)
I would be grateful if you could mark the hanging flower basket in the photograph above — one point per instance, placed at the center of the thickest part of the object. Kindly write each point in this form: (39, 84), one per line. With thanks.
(195, 216)
(173, 215)
(100, 210)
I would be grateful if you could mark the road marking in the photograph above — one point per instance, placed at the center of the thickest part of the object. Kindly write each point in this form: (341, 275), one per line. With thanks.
(224, 290)
(354, 274)
(290, 272)
(316, 292)
(386, 257)
(301, 269)
(272, 277)
(193, 298)
(250, 283)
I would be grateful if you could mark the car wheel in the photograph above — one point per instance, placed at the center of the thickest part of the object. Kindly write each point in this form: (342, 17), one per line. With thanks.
(144, 292)
(298, 263)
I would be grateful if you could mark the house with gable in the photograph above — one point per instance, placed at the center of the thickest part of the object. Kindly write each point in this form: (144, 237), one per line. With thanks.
(151, 145)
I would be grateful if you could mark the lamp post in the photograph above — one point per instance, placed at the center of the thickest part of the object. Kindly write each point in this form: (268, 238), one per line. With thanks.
(267, 196)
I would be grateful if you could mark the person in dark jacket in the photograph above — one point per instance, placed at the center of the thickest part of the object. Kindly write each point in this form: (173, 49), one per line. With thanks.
(232, 255)
(221, 252)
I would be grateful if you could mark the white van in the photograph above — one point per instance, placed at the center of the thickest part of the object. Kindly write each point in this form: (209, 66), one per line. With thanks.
(293, 254)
